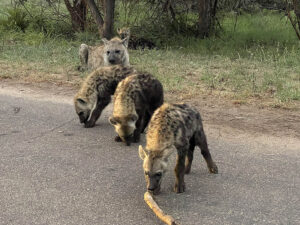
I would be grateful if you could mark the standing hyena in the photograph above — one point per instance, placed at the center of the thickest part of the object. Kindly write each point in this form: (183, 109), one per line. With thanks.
(135, 100)
(173, 126)
(113, 52)
(95, 92)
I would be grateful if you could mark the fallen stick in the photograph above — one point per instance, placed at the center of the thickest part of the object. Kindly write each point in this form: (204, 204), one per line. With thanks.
(158, 212)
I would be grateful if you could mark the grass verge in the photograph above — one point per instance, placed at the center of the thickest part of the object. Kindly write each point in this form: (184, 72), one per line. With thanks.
(255, 58)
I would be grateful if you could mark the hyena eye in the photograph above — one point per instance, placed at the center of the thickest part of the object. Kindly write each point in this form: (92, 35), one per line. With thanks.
(108, 52)
(117, 51)
(159, 174)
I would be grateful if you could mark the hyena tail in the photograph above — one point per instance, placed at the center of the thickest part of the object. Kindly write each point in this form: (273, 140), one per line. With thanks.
(83, 56)
(201, 141)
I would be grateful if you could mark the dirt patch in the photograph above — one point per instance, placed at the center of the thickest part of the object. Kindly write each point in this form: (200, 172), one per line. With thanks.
(246, 118)
(218, 114)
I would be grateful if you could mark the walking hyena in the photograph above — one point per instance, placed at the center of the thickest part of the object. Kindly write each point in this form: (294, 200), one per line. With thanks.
(95, 92)
(173, 126)
(135, 100)
(113, 52)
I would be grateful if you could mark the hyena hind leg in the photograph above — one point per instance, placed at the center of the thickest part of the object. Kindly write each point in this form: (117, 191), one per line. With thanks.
(190, 156)
(200, 140)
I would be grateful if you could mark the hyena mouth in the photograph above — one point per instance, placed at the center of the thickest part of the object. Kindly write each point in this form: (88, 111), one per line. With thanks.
(127, 140)
(155, 191)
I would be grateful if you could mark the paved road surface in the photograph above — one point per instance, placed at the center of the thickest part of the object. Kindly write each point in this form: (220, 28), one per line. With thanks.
(54, 171)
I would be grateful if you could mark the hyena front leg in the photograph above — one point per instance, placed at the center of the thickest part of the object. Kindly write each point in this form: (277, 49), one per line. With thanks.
(179, 173)
(146, 120)
(201, 141)
(190, 156)
(95, 113)
(139, 125)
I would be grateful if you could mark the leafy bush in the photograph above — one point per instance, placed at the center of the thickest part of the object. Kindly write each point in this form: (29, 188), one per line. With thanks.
(16, 20)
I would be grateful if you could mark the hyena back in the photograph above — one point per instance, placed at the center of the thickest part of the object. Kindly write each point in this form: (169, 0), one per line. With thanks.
(135, 100)
(113, 52)
(96, 90)
(173, 126)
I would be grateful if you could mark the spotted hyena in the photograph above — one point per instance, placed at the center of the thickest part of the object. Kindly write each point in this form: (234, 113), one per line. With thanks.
(173, 127)
(124, 33)
(135, 100)
(95, 92)
(113, 52)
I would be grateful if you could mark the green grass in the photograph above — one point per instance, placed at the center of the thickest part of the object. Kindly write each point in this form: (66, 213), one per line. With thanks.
(258, 59)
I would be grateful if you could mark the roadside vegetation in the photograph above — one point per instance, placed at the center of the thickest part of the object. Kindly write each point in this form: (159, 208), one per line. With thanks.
(252, 56)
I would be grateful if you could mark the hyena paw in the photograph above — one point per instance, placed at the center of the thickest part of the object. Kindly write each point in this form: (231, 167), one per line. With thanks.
(213, 168)
(89, 124)
(179, 188)
(118, 139)
(136, 139)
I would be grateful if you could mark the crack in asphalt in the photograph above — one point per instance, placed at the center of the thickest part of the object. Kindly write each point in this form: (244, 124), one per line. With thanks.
(50, 131)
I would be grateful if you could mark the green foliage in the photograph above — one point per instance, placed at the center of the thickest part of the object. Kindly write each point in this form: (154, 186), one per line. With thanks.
(35, 16)
(16, 20)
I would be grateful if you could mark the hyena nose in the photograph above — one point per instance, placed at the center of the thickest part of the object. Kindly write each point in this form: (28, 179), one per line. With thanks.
(112, 61)
(151, 189)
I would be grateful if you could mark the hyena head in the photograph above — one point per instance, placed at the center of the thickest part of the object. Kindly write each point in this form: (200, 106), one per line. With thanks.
(155, 166)
(115, 52)
(82, 108)
(124, 126)
(124, 33)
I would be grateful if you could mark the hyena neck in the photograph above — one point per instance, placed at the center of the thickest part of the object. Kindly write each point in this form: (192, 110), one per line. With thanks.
(124, 106)
(126, 59)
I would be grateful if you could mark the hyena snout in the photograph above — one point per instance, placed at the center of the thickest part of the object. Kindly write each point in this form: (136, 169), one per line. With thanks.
(83, 117)
(153, 184)
(114, 60)
(127, 139)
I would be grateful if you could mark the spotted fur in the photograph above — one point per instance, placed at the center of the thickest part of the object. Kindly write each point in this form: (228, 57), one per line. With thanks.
(135, 100)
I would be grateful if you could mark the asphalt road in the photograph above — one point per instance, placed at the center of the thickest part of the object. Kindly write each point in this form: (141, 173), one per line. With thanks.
(54, 171)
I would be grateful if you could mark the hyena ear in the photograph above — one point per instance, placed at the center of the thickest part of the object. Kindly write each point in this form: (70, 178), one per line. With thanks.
(81, 101)
(118, 30)
(112, 120)
(166, 153)
(142, 152)
(105, 41)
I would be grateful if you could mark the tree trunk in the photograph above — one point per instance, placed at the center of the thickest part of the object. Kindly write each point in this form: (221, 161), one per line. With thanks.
(78, 14)
(96, 15)
(109, 11)
(204, 19)
(297, 11)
